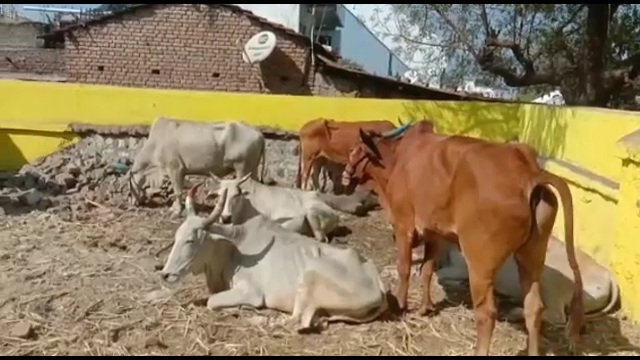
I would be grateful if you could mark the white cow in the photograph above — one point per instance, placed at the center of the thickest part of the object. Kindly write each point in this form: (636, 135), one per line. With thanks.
(181, 147)
(261, 264)
(297, 210)
(601, 292)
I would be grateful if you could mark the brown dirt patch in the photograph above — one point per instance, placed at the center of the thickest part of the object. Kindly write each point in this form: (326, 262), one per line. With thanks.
(77, 286)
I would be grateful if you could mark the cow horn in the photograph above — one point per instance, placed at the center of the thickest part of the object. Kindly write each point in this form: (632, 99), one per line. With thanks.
(397, 131)
(188, 201)
(217, 210)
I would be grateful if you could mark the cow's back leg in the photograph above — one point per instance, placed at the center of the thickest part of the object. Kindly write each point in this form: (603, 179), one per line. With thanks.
(530, 259)
(330, 287)
(483, 263)
(308, 157)
(242, 293)
(316, 171)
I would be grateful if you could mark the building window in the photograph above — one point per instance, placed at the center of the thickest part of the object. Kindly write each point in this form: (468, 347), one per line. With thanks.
(325, 40)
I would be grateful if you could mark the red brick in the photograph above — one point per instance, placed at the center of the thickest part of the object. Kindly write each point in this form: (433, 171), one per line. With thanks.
(182, 51)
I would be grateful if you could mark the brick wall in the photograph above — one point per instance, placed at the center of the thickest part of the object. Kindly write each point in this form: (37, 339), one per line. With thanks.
(20, 34)
(22, 52)
(182, 46)
(32, 60)
(334, 85)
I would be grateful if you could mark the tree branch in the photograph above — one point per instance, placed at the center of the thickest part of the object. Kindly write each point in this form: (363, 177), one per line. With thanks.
(425, 43)
(515, 49)
(570, 19)
(628, 71)
(485, 20)
(461, 36)
(510, 76)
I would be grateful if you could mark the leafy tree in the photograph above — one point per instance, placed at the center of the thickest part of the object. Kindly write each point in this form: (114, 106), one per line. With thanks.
(590, 52)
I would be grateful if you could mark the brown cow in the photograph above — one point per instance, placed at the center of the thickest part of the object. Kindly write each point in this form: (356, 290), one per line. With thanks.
(377, 184)
(330, 139)
(492, 199)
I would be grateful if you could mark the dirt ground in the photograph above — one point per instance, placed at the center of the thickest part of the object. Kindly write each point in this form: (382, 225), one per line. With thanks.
(79, 285)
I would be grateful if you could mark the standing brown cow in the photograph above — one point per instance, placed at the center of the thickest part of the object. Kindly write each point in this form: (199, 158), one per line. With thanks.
(492, 199)
(330, 139)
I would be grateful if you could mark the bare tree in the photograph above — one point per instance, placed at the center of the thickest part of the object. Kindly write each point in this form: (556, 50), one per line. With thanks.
(591, 52)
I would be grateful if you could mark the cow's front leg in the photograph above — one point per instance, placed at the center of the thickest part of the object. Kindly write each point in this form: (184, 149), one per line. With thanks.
(241, 294)
(177, 182)
(316, 226)
(403, 241)
(429, 264)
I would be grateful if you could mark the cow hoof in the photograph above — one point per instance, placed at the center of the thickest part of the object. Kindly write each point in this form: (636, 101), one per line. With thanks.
(426, 310)
(311, 329)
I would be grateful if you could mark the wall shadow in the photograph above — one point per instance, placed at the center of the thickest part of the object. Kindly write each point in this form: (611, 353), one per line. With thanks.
(282, 75)
(11, 157)
(498, 122)
(23, 189)
(543, 127)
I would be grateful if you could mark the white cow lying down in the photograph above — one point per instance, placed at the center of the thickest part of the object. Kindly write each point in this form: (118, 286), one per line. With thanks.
(297, 210)
(261, 264)
(600, 295)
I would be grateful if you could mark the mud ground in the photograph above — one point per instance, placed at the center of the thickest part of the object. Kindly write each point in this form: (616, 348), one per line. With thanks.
(80, 286)
(78, 268)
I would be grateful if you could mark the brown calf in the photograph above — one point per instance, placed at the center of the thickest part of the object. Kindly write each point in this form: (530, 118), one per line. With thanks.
(491, 199)
(330, 139)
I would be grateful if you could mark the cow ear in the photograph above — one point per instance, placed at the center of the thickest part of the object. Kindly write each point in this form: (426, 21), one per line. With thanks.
(363, 135)
(367, 140)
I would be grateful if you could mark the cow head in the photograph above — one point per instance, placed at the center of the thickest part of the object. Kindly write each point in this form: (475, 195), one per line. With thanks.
(189, 252)
(367, 151)
(231, 193)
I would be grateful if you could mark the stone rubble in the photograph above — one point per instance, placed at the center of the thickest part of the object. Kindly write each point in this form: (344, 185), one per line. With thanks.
(96, 170)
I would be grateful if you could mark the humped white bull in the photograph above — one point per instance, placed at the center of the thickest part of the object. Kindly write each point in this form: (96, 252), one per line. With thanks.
(601, 292)
(261, 264)
(180, 147)
(301, 211)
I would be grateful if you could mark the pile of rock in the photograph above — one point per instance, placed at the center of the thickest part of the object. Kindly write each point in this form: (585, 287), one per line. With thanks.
(96, 169)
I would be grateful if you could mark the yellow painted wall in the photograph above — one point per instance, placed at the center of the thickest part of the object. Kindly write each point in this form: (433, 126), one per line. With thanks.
(34, 118)
(52, 106)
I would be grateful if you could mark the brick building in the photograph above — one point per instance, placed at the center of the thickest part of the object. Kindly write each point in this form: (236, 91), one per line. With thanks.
(198, 46)
(22, 53)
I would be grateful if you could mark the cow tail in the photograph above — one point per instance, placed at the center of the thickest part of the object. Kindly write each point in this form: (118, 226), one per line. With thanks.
(576, 315)
(299, 175)
(264, 167)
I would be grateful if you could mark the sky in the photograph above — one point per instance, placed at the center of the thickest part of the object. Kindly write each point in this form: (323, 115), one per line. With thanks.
(363, 10)
(36, 15)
